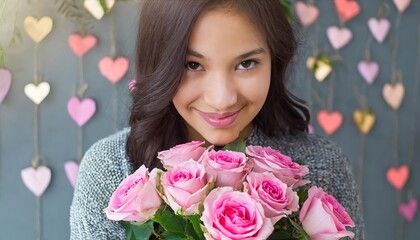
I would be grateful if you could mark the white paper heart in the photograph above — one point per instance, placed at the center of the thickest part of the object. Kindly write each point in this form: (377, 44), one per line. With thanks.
(5, 82)
(402, 4)
(37, 93)
(36, 180)
(38, 29)
(307, 14)
(72, 170)
(339, 37)
(393, 94)
(368, 70)
(95, 8)
(379, 28)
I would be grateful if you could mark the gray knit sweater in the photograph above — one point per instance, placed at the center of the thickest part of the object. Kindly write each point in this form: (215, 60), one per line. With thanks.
(105, 165)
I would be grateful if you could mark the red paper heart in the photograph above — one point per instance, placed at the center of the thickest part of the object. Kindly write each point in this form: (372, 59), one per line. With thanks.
(113, 70)
(409, 210)
(397, 177)
(81, 45)
(347, 9)
(330, 121)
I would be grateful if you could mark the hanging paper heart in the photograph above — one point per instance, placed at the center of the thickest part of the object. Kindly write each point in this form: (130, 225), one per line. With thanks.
(38, 30)
(5, 82)
(81, 111)
(368, 70)
(37, 93)
(338, 37)
(364, 120)
(132, 85)
(397, 177)
(72, 170)
(347, 9)
(81, 44)
(113, 70)
(321, 68)
(379, 28)
(409, 210)
(307, 14)
(36, 180)
(311, 129)
(96, 9)
(330, 121)
(393, 94)
(402, 4)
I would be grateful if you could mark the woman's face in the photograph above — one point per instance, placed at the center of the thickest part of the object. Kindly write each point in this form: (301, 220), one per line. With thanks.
(226, 77)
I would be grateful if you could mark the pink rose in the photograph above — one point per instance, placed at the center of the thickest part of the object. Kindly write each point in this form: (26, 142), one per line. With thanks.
(277, 199)
(229, 168)
(267, 159)
(136, 198)
(181, 153)
(230, 214)
(323, 217)
(185, 187)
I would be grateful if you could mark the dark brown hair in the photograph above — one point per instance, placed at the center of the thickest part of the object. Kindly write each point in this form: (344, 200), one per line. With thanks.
(163, 34)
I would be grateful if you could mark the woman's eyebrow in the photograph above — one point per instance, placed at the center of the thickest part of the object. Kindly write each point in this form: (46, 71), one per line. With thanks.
(242, 56)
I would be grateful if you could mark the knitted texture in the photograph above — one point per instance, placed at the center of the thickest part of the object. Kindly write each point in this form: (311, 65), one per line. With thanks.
(105, 165)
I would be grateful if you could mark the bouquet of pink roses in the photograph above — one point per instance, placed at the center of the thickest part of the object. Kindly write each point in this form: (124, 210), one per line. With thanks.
(237, 192)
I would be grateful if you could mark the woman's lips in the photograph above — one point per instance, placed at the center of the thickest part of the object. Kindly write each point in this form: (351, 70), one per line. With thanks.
(219, 120)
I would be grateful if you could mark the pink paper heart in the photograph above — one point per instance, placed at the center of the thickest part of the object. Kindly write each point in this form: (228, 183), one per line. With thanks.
(338, 37)
(311, 129)
(397, 177)
(81, 44)
(409, 210)
(402, 4)
(132, 85)
(36, 180)
(368, 70)
(347, 9)
(307, 14)
(5, 82)
(81, 111)
(72, 170)
(113, 70)
(330, 121)
(379, 28)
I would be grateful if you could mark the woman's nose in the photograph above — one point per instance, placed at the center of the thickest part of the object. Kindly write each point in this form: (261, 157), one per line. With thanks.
(221, 93)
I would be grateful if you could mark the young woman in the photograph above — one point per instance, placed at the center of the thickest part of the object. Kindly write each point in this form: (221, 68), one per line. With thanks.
(210, 70)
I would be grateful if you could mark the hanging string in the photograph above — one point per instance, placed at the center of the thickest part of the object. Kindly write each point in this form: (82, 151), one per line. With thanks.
(395, 50)
(81, 92)
(113, 55)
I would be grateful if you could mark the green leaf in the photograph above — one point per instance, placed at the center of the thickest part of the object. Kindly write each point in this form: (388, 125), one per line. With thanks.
(238, 145)
(302, 234)
(170, 221)
(195, 221)
(172, 236)
(303, 195)
(281, 235)
(104, 6)
(128, 230)
(288, 8)
(138, 232)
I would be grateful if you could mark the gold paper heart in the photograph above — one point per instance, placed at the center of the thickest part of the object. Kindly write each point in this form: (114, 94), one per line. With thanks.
(38, 29)
(95, 8)
(393, 94)
(364, 120)
(37, 93)
(319, 68)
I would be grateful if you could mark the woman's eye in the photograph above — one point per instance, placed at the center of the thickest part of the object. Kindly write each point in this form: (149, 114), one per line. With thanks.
(247, 65)
(193, 66)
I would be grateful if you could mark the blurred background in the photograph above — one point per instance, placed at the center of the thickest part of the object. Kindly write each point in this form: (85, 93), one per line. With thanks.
(65, 69)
